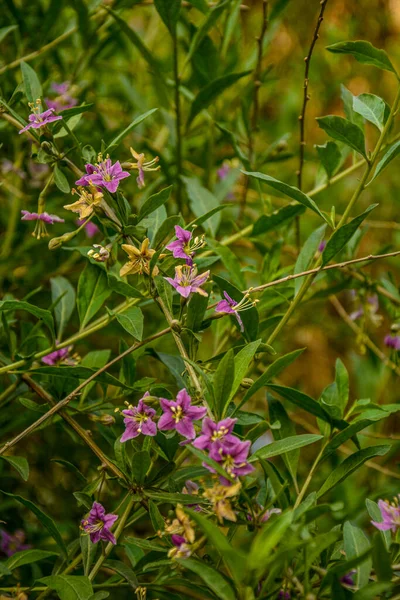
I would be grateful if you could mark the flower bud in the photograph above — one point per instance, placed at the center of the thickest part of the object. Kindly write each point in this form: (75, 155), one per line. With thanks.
(246, 383)
(100, 254)
(103, 419)
(57, 242)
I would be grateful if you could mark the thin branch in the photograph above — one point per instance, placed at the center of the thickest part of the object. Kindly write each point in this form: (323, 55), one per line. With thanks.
(178, 122)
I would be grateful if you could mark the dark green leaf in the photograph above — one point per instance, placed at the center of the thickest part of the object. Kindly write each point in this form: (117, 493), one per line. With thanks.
(93, 290)
(33, 89)
(249, 317)
(140, 465)
(64, 307)
(306, 255)
(365, 53)
(209, 22)
(330, 157)
(222, 382)
(4, 31)
(285, 445)
(27, 557)
(154, 202)
(79, 373)
(287, 429)
(356, 544)
(203, 201)
(169, 11)
(40, 313)
(69, 587)
(123, 570)
(265, 541)
(61, 181)
(278, 218)
(212, 578)
(19, 463)
(132, 321)
(344, 131)
(128, 129)
(386, 159)
(372, 108)
(301, 400)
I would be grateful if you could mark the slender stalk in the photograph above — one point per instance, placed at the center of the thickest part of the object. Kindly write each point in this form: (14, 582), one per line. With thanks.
(310, 475)
(302, 117)
(178, 123)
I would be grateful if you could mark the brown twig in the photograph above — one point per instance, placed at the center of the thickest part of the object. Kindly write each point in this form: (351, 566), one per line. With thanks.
(302, 117)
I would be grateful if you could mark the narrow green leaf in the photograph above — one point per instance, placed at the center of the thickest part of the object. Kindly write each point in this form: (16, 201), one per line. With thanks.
(287, 429)
(19, 463)
(386, 159)
(288, 190)
(212, 578)
(40, 313)
(242, 363)
(342, 235)
(169, 11)
(265, 541)
(122, 569)
(154, 202)
(365, 53)
(222, 382)
(211, 92)
(376, 515)
(93, 290)
(203, 201)
(349, 465)
(46, 521)
(306, 255)
(61, 181)
(118, 139)
(4, 31)
(132, 321)
(285, 445)
(33, 89)
(355, 544)
(209, 22)
(330, 157)
(60, 286)
(27, 557)
(276, 219)
(344, 131)
(249, 317)
(301, 400)
(231, 263)
(344, 435)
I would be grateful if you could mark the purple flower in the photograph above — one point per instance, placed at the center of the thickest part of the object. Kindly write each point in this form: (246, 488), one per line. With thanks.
(90, 228)
(215, 435)
(284, 595)
(232, 458)
(12, 543)
(392, 341)
(141, 165)
(64, 99)
(231, 307)
(44, 216)
(369, 310)
(103, 174)
(186, 280)
(138, 419)
(39, 119)
(98, 524)
(179, 414)
(390, 516)
(181, 547)
(57, 356)
(348, 578)
(182, 248)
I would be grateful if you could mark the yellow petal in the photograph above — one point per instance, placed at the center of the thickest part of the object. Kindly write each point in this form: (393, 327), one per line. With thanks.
(131, 251)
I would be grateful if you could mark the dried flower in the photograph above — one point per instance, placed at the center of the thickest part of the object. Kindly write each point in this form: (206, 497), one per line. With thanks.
(232, 307)
(98, 524)
(142, 166)
(186, 280)
(39, 119)
(390, 512)
(181, 548)
(139, 259)
(138, 419)
(99, 253)
(182, 248)
(12, 543)
(219, 497)
(181, 525)
(87, 201)
(215, 434)
(42, 219)
(103, 174)
(180, 414)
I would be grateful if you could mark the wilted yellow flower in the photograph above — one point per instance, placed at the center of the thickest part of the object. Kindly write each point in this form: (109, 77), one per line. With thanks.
(182, 525)
(87, 201)
(218, 496)
(139, 259)
(141, 165)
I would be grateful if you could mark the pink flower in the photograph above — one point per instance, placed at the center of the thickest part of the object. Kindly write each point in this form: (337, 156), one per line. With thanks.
(390, 513)
(103, 174)
(186, 280)
(230, 306)
(12, 543)
(44, 216)
(98, 524)
(232, 458)
(39, 119)
(182, 248)
(138, 419)
(180, 414)
(57, 356)
(215, 435)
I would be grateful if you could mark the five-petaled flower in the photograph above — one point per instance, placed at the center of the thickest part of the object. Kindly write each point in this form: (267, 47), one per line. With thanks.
(390, 512)
(138, 419)
(103, 174)
(39, 119)
(98, 524)
(215, 435)
(88, 199)
(233, 459)
(139, 259)
(179, 414)
(186, 280)
(182, 248)
(141, 166)
(41, 220)
(230, 306)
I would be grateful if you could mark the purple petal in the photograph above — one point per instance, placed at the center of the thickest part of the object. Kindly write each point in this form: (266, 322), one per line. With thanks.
(185, 428)
(183, 399)
(149, 428)
(166, 422)
(196, 412)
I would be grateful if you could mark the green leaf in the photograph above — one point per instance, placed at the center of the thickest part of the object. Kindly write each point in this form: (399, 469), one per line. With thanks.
(265, 541)
(372, 591)
(211, 91)
(212, 578)
(46, 521)
(132, 321)
(342, 235)
(201, 5)
(330, 157)
(88, 550)
(344, 435)
(306, 255)
(344, 131)
(100, 595)
(231, 263)
(381, 558)
(301, 400)
(209, 22)
(278, 218)
(203, 218)
(285, 445)
(119, 286)
(349, 465)
(355, 544)
(78, 373)
(118, 139)
(288, 190)
(122, 569)
(169, 11)
(287, 429)
(19, 463)
(140, 465)
(69, 587)
(203, 201)
(386, 159)
(27, 557)
(154, 202)
(365, 53)
(61, 181)
(93, 290)
(4, 31)
(242, 363)
(372, 108)
(222, 382)
(64, 307)
(40, 313)
(165, 232)
(33, 89)
(249, 317)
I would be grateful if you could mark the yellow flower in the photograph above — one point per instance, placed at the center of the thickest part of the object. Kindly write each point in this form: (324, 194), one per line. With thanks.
(139, 260)
(182, 525)
(218, 496)
(87, 201)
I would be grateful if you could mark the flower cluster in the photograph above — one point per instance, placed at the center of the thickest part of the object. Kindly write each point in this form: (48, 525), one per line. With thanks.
(139, 259)
(186, 280)
(141, 166)
(183, 247)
